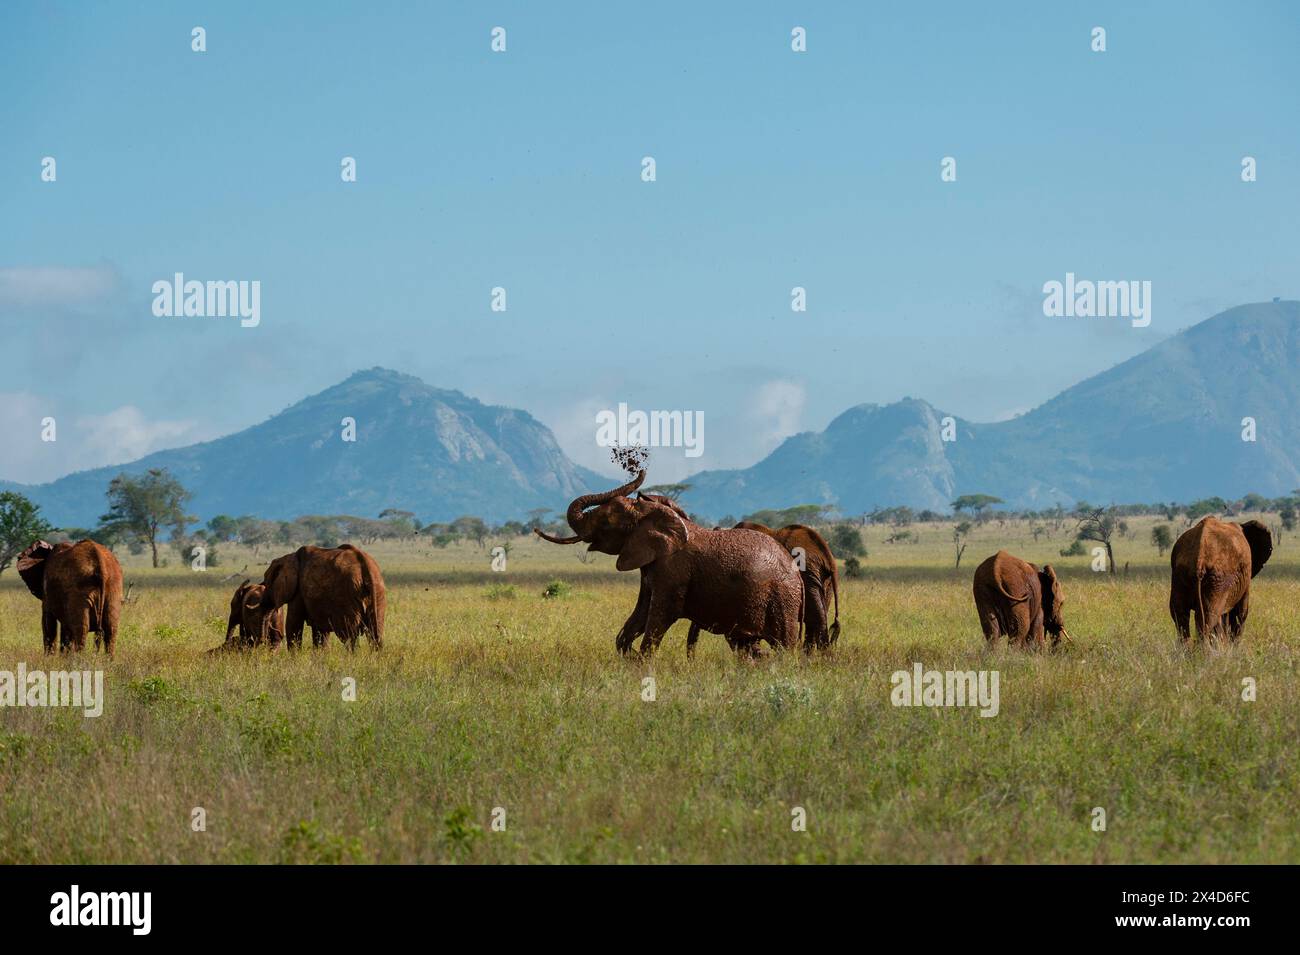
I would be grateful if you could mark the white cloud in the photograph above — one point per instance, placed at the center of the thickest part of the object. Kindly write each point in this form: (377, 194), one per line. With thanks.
(574, 427)
(778, 409)
(125, 434)
(81, 441)
(55, 286)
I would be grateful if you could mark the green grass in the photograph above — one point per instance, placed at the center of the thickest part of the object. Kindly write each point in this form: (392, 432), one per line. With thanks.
(489, 694)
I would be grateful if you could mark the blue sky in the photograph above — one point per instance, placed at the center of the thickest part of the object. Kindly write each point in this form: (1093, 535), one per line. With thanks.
(522, 170)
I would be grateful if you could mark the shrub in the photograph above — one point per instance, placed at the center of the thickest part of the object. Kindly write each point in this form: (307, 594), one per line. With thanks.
(556, 588)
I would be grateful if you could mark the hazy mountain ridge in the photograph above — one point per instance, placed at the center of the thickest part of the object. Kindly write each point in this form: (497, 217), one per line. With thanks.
(1164, 425)
(437, 453)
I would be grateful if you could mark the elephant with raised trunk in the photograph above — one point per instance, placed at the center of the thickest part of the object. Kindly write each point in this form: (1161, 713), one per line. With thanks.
(332, 590)
(1213, 563)
(738, 583)
(1017, 600)
(80, 589)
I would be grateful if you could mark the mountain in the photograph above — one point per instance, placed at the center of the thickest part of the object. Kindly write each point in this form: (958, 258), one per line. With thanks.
(434, 452)
(1163, 426)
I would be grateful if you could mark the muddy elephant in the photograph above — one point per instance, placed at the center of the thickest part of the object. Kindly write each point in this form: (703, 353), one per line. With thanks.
(330, 589)
(1213, 563)
(1017, 600)
(250, 621)
(80, 589)
(821, 580)
(738, 583)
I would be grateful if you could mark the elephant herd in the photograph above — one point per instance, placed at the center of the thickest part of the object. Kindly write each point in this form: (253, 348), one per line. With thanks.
(332, 590)
(738, 582)
(1212, 565)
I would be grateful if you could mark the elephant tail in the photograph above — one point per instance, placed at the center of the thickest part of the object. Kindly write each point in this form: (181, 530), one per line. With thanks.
(1002, 591)
(1200, 600)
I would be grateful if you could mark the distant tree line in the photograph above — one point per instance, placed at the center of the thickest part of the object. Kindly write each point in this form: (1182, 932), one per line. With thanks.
(149, 512)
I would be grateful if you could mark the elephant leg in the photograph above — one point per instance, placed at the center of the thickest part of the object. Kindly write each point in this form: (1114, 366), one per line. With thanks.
(319, 635)
(1203, 617)
(992, 629)
(1237, 618)
(49, 629)
(664, 612)
(1037, 636)
(108, 626)
(75, 635)
(1181, 613)
(815, 634)
(294, 621)
(989, 621)
(692, 638)
(634, 626)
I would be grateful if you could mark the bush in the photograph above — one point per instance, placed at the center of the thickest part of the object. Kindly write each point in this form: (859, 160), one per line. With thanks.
(556, 588)
(853, 569)
(846, 541)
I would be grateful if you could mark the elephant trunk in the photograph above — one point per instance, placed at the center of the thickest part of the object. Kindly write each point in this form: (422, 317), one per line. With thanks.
(575, 513)
(555, 540)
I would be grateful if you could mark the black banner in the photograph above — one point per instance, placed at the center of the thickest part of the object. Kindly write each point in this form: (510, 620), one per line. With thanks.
(218, 903)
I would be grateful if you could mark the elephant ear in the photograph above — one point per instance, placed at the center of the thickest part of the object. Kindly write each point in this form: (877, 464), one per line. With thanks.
(1261, 545)
(658, 533)
(1051, 587)
(31, 567)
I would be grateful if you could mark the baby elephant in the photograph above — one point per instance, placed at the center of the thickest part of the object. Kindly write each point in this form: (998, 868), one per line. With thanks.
(254, 625)
(1016, 599)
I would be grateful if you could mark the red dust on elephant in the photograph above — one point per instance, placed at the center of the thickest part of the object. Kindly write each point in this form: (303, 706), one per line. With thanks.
(80, 589)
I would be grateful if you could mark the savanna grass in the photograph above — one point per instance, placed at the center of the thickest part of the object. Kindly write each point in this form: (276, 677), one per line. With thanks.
(488, 694)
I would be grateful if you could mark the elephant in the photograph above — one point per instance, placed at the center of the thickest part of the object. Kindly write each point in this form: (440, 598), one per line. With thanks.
(738, 583)
(819, 573)
(332, 590)
(252, 623)
(80, 589)
(1212, 565)
(1016, 599)
(820, 578)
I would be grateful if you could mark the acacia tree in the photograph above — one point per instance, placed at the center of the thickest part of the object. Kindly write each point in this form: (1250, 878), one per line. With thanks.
(670, 491)
(1100, 524)
(1162, 538)
(977, 504)
(475, 528)
(20, 524)
(140, 507)
(959, 540)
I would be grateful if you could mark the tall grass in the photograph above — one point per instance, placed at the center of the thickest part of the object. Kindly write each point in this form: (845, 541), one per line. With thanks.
(488, 694)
